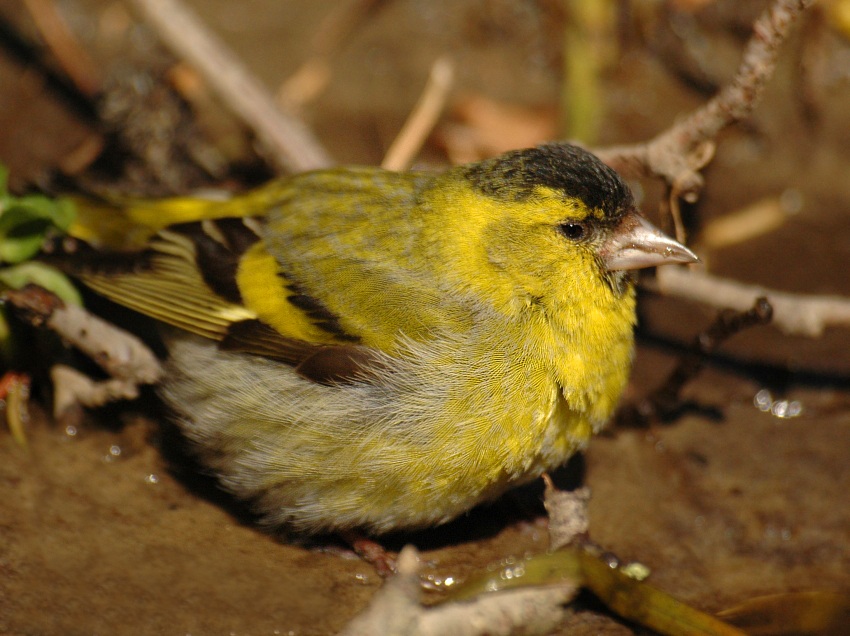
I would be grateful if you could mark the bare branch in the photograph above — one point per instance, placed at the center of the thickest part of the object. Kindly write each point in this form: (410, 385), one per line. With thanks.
(72, 57)
(314, 75)
(421, 121)
(678, 153)
(71, 389)
(794, 314)
(395, 609)
(665, 400)
(127, 360)
(569, 519)
(289, 142)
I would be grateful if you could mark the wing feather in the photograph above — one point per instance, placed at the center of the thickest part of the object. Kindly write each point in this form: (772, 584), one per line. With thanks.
(168, 283)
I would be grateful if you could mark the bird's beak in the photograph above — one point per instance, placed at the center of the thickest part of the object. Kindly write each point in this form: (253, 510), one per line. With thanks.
(636, 243)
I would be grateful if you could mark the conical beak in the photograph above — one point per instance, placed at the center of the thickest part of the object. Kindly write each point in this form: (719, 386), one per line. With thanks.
(637, 243)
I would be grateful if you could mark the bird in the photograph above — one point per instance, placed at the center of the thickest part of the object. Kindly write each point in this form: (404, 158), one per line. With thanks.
(359, 349)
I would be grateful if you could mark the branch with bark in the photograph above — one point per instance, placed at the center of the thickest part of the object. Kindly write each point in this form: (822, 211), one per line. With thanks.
(680, 152)
(124, 357)
(677, 155)
(286, 140)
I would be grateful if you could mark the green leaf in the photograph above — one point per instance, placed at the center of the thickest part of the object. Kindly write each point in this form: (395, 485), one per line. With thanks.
(41, 274)
(26, 221)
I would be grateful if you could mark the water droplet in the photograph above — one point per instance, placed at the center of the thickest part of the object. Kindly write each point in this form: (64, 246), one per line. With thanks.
(71, 430)
(763, 400)
(113, 454)
(360, 577)
(782, 409)
(152, 479)
(514, 572)
(786, 409)
(611, 559)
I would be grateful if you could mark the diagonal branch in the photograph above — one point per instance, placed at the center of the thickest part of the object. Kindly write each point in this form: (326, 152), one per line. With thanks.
(677, 154)
(289, 143)
(680, 152)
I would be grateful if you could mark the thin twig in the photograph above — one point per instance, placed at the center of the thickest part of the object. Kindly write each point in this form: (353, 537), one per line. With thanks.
(794, 314)
(314, 74)
(569, 518)
(127, 360)
(72, 57)
(116, 351)
(290, 144)
(666, 400)
(423, 118)
(751, 221)
(395, 610)
(678, 153)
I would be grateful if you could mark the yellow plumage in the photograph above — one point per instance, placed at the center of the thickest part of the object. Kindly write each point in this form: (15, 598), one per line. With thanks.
(355, 348)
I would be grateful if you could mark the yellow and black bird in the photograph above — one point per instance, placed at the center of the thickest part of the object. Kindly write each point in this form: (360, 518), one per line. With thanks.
(360, 349)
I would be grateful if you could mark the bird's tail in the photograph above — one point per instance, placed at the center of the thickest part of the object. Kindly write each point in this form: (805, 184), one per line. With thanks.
(128, 224)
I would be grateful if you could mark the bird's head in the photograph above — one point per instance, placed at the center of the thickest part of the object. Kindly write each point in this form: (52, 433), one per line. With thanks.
(553, 224)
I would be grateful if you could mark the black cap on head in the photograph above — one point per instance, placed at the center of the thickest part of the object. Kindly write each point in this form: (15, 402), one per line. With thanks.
(560, 166)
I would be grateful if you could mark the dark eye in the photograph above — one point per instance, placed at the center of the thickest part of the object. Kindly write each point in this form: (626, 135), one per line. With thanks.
(573, 231)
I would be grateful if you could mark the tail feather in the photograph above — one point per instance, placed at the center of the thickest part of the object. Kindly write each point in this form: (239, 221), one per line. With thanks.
(129, 224)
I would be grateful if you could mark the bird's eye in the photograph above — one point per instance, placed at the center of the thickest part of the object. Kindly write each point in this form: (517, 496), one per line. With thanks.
(573, 231)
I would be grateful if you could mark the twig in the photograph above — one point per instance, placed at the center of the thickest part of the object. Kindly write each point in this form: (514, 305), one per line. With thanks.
(677, 154)
(680, 152)
(72, 388)
(395, 609)
(794, 314)
(290, 144)
(568, 513)
(305, 84)
(666, 399)
(72, 57)
(622, 586)
(124, 357)
(756, 219)
(311, 78)
(422, 119)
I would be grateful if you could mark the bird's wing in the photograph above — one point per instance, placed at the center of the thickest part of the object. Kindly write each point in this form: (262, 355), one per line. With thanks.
(329, 295)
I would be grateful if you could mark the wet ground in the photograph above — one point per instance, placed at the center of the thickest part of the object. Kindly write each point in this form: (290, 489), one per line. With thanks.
(107, 528)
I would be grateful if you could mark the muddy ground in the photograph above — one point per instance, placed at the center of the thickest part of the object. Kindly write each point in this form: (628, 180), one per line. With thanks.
(107, 527)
